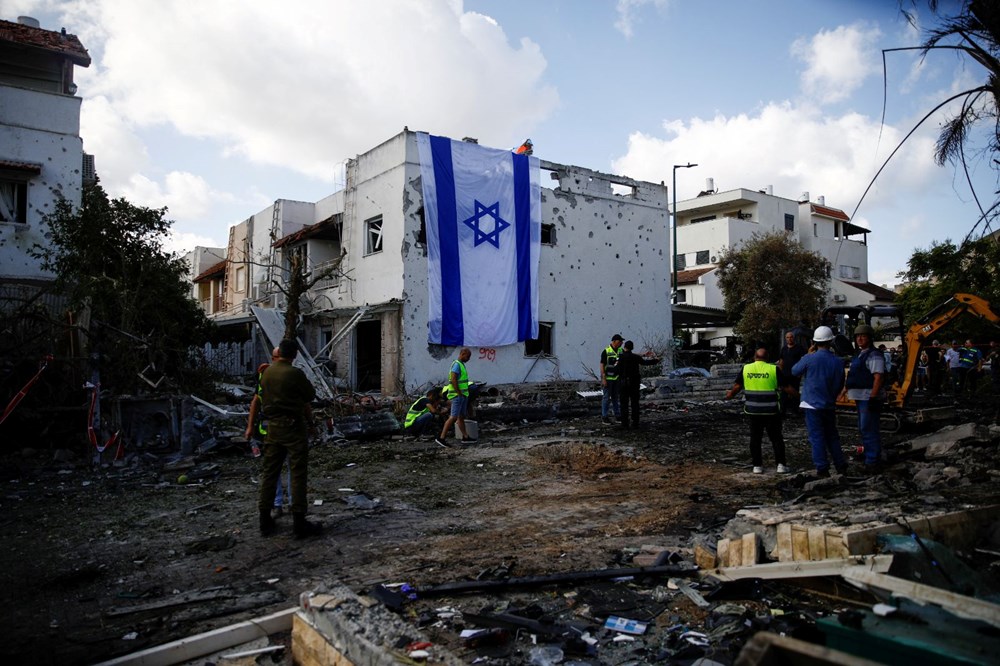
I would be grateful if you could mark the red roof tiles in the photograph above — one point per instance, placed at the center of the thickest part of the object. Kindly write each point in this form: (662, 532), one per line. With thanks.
(57, 42)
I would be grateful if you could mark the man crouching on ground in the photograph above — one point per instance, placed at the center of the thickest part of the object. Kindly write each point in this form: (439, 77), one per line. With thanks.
(286, 395)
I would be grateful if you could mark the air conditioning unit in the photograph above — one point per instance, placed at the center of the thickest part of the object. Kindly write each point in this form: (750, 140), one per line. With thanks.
(839, 298)
(715, 260)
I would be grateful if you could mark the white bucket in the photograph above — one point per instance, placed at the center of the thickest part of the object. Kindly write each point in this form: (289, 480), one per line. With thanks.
(471, 427)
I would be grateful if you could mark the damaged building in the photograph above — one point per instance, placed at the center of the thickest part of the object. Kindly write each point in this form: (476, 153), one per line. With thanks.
(604, 242)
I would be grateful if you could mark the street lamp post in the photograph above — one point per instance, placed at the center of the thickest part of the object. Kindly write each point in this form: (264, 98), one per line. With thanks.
(673, 260)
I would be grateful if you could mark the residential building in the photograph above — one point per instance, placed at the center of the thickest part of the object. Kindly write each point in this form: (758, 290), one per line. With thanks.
(206, 268)
(715, 221)
(601, 272)
(41, 152)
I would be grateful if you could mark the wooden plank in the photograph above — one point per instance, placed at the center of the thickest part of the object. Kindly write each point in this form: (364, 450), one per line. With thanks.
(193, 647)
(311, 648)
(704, 557)
(781, 570)
(817, 543)
(835, 546)
(722, 549)
(959, 604)
(784, 547)
(767, 648)
(736, 553)
(750, 549)
(800, 544)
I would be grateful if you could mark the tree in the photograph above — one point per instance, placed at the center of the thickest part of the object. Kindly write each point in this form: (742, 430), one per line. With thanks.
(973, 32)
(771, 282)
(108, 257)
(297, 283)
(935, 274)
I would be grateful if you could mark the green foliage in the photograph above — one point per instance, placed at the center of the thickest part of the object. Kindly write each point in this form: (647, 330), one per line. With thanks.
(934, 275)
(771, 282)
(108, 256)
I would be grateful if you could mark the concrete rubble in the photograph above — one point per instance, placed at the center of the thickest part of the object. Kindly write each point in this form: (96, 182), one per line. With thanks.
(787, 555)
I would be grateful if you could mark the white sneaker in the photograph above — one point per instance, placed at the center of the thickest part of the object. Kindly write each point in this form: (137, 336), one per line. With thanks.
(758, 470)
(782, 469)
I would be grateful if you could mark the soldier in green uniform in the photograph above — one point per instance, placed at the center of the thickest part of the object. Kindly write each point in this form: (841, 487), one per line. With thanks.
(286, 396)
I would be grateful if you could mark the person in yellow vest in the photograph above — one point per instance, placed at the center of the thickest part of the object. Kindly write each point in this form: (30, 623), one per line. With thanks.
(762, 385)
(609, 380)
(422, 413)
(457, 390)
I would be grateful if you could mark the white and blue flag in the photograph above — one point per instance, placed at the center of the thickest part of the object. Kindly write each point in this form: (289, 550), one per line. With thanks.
(483, 212)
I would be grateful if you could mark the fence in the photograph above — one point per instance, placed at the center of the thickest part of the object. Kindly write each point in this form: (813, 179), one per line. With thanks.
(231, 359)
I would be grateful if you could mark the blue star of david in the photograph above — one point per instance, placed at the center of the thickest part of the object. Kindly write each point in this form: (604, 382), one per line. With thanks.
(499, 224)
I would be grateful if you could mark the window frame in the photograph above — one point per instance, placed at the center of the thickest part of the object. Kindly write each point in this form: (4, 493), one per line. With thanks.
(546, 335)
(377, 247)
(20, 185)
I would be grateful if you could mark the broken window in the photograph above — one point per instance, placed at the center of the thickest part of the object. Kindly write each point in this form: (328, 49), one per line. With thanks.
(680, 261)
(373, 235)
(789, 222)
(701, 257)
(548, 234)
(422, 233)
(542, 346)
(13, 201)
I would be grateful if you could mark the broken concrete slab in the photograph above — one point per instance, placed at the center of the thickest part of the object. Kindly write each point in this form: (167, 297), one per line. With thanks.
(947, 435)
(337, 627)
(800, 569)
(959, 604)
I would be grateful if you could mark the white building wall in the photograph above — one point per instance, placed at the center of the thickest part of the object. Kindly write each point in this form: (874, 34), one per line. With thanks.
(607, 273)
(765, 214)
(43, 128)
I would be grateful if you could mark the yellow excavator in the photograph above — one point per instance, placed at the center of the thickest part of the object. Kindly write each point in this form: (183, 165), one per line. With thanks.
(918, 335)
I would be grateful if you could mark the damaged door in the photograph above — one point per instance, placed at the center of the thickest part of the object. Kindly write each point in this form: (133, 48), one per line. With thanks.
(368, 355)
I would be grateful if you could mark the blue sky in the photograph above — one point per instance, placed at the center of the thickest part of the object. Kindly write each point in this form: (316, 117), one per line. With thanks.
(217, 108)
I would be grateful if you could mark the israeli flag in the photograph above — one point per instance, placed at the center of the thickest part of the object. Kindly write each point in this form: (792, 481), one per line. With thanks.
(483, 211)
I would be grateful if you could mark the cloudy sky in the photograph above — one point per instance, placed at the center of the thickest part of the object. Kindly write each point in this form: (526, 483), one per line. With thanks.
(215, 108)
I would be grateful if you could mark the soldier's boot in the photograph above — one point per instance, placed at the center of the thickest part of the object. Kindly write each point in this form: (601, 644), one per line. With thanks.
(267, 525)
(303, 528)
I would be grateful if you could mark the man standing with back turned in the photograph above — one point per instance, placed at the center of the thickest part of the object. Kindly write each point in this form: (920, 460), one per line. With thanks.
(761, 385)
(286, 395)
(822, 378)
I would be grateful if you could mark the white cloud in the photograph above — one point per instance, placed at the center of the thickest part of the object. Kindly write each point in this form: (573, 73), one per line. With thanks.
(626, 13)
(118, 151)
(182, 242)
(838, 61)
(304, 84)
(186, 195)
(794, 148)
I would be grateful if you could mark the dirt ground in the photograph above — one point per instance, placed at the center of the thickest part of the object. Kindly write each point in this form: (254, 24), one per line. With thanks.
(101, 562)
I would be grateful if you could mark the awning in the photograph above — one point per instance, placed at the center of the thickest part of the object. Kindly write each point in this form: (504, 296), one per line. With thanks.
(688, 316)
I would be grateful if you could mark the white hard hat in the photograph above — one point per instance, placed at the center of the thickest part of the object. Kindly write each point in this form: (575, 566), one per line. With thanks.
(823, 334)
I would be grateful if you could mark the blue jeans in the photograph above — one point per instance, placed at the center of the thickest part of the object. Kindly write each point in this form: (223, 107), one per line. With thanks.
(821, 425)
(419, 425)
(868, 411)
(286, 490)
(611, 390)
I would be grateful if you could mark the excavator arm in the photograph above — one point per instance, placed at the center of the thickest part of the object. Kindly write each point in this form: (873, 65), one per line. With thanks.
(927, 326)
